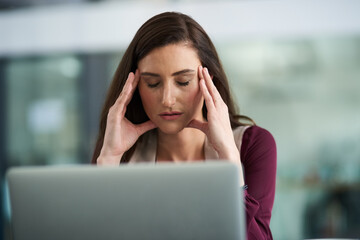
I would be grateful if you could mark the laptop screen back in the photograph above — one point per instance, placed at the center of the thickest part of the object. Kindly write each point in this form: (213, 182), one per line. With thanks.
(163, 201)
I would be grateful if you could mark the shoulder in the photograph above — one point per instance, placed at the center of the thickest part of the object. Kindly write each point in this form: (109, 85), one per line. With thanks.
(257, 142)
(252, 134)
(255, 134)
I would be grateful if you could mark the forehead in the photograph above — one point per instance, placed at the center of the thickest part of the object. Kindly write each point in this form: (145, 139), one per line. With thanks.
(169, 59)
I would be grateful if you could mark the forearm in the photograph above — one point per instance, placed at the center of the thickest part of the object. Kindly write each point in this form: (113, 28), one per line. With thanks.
(258, 224)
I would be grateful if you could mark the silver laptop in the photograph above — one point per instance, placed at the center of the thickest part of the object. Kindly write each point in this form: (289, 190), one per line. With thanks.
(162, 201)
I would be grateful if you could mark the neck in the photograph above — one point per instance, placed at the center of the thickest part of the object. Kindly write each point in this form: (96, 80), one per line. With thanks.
(187, 145)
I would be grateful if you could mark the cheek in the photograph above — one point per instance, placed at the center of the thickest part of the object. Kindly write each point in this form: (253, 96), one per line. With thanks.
(194, 97)
(197, 94)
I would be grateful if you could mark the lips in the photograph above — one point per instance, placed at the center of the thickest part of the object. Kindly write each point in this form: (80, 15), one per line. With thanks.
(170, 115)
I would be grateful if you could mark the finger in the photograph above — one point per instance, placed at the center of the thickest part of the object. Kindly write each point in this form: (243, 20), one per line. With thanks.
(211, 87)
(126, 94)
(119, 107)
(125, 88)
(209, 102)
(144, 127)
(203, 126)
(133, 85)
(136, 79)
(200, 72)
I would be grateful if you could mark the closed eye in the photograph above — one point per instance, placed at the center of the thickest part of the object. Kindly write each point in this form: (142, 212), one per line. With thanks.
(183, 83)
(154, 85)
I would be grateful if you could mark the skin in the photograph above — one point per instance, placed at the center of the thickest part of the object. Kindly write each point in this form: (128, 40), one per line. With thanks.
(171, 79)
(169, 83)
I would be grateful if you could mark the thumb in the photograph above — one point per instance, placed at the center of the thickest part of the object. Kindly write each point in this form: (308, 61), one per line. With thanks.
(203, 126)
(144, 127)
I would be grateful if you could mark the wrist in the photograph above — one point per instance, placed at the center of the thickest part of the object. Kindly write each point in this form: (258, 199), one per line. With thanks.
(232, 154)
(105, 159)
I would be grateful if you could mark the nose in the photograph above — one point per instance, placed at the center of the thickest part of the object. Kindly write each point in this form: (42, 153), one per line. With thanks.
(168, 98)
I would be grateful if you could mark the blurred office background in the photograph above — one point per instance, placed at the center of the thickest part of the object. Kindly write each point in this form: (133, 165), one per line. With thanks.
(294, 67)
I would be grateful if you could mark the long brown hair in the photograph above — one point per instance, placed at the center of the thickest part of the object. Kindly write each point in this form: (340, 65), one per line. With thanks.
(161, 30)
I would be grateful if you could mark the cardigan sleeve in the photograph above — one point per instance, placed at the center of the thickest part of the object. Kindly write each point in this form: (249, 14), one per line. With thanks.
(258, 156)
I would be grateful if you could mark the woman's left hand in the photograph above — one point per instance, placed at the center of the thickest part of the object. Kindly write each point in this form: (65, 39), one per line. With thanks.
(217, 128)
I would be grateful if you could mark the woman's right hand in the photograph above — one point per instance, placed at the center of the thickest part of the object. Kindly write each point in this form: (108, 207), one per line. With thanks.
(120, 133)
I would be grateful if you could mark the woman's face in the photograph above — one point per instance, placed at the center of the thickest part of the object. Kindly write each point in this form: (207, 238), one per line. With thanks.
(169, 87)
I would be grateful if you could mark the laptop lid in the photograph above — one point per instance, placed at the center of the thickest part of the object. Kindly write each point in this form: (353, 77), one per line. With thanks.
(142, 201)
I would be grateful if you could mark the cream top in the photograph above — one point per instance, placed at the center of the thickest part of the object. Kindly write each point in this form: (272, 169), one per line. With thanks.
(145, 151)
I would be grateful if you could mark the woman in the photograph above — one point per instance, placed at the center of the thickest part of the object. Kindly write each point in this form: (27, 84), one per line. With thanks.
(170, 101)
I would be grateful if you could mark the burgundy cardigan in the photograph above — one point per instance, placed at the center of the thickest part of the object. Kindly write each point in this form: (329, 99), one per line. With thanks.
(258, 156)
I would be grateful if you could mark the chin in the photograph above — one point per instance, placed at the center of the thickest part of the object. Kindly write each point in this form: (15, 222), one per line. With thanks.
(172, 128)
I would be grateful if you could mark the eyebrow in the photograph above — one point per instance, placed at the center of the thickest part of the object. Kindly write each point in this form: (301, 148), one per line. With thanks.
(184, 71)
